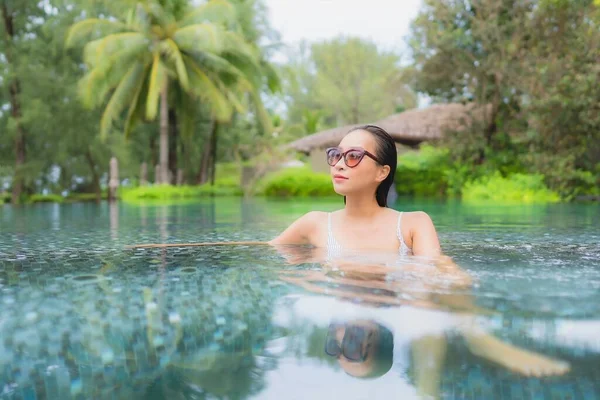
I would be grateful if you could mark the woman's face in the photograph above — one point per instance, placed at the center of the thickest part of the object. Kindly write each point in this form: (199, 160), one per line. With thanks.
(362, 368)
(365, 176)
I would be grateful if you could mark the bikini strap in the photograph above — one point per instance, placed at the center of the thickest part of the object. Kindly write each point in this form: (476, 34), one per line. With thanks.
(331, 242)
(399, 229)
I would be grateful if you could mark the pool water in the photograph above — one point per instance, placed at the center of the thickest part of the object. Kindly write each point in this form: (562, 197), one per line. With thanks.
(84, 317)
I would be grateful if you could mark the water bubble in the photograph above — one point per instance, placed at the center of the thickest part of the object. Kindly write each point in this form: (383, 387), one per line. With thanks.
(174, 318)
(31, 316)
(108, 356)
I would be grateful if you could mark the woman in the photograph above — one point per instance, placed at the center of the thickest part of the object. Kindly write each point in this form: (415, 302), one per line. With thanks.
(362, 168)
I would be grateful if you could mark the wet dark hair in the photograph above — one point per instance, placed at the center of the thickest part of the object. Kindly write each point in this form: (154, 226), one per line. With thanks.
(382, 357)
(387, 155)
(383, 353)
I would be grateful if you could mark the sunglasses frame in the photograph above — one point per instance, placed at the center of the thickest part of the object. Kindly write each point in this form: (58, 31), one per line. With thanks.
(341, 348)
(362, 152)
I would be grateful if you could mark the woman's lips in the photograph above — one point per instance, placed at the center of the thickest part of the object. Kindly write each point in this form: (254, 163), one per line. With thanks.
(339, 178)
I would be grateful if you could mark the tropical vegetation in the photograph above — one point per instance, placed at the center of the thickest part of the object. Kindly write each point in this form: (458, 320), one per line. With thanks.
(175, 90)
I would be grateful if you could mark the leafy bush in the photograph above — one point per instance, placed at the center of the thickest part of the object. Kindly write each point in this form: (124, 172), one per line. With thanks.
(222, 187)
(521, 188)
(73, 197)
(301, 182)
(5, 198)
(45, 198)
(423, 173)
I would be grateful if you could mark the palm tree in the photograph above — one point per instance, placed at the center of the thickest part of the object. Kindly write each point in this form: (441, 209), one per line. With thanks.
(160, 47)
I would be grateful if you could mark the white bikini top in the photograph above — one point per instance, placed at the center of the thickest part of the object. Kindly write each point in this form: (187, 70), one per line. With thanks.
(335, 249)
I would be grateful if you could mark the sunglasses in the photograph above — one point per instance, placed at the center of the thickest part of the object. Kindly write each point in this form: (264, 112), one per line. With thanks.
(352, 343)
(352, 157)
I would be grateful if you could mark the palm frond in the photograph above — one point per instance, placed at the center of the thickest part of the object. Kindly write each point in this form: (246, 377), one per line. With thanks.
(249, 69)
(99, 50)
(136, 108)
(138, 18)
(121, 96)
(100, 80)
(216, 64)
(169, 47)
(273, 79)
(262, 116)
(158, 14)
(237, 103)
(200, 37)
(215, 11)
(157, 79)
(94, 27)
(203, 87)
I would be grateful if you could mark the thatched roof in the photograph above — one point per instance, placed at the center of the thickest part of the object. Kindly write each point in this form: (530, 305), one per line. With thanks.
(409, 127)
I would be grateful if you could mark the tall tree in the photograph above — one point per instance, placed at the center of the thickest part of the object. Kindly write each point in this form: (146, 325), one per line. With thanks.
(15, 27)
(161, 50)
(534, 63)
(358, 81)
(346, 80)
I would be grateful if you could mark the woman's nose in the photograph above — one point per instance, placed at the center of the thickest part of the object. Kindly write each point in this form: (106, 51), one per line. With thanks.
(340, 164)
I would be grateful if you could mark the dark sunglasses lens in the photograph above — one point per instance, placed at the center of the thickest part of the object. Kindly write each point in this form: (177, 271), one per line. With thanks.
(331, 346)
(353, 343)
(333, 156)
(353, 158)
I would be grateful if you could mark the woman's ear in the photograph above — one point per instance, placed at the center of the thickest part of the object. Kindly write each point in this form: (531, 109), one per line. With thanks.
(383, 173)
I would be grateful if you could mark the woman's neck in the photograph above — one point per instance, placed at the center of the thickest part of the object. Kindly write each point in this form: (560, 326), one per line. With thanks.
(361, 207)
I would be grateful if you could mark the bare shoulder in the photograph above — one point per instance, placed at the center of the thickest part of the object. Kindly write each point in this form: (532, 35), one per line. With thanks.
(422, 232)
(419, 217)
(301, 230)
(414, 218)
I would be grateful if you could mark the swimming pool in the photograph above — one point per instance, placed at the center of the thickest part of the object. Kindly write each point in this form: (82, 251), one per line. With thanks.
(82, 317)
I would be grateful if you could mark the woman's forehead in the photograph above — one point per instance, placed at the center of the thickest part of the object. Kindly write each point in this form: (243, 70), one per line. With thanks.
(358, 138)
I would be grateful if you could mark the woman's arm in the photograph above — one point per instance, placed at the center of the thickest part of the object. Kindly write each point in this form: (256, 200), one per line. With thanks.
(300, 231)
(425, 240)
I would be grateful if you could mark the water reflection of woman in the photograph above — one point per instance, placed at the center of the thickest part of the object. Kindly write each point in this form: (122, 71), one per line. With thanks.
(411, 314)
(362, 168)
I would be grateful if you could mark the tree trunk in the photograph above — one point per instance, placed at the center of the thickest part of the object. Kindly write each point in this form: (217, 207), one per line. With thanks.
(203, 173)
(213, 153)
(113, 183)
(173, 143)
(17, 185)
(95, 176)
(144, 174)
(14, 89)
(164, 135)
(153, 155)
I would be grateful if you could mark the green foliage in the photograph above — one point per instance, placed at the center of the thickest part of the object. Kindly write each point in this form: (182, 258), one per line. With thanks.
(225, 187)
(4, 198)
(227, 170)
(535, 65)
(517, 188)
(194, 49)
(45, 198)
(76, 197)
(301, 182)
(424, 172)
(344, 80)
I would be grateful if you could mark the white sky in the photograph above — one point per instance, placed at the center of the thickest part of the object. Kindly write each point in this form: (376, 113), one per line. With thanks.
(386, 22)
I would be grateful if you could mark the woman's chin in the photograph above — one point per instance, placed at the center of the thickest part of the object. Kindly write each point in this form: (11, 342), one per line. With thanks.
(339, 190)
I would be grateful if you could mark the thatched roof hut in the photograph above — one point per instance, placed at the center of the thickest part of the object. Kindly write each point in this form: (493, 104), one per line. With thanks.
(409, 127)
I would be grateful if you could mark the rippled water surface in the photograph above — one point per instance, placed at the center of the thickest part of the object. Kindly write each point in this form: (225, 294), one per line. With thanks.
(84, 317)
